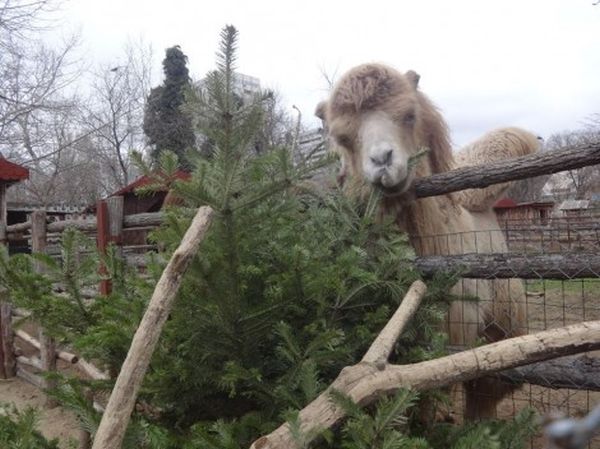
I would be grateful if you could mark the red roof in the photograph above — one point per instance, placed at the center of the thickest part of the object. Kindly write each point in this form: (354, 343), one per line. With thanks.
(12, 172)
(505, 203)
(146, 180)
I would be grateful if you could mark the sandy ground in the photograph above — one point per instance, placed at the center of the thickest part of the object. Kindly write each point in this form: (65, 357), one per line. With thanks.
(54, 423)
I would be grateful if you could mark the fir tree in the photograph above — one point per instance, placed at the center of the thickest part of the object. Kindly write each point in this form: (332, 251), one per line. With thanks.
(166, 123)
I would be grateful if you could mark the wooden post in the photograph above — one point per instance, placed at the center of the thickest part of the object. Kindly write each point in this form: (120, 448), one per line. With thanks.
(102, 242)
(47, 344)
(109, 217)
(116, 417)
(114, 206)
(9, 364)
(7, 357)
(3, 233)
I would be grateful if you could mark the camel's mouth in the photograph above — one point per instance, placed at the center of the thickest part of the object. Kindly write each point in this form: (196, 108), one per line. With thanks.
(396, 189)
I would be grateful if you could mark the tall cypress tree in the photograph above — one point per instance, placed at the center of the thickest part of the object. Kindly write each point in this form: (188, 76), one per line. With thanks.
(166, 124)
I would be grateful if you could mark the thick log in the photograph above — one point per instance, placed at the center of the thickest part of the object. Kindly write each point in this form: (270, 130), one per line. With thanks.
(149, 219)
(575, 372)
(513, 265)
(364, 382)
(507, 170)
(114, 422)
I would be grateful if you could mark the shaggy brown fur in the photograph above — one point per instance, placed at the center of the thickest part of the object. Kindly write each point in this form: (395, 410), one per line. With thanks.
(447, 224)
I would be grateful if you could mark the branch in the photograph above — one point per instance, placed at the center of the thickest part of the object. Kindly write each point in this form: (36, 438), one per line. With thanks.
(114, 422)
(383, 345)
(513, 265)
(507, 170)
(364, 382)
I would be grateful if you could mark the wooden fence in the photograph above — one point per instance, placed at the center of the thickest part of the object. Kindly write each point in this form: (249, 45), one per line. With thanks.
(109, 227)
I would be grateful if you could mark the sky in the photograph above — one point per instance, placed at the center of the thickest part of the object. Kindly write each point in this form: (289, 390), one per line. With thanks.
(485, 64)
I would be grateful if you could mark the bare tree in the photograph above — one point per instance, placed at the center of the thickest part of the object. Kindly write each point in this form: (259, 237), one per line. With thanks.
(115, 110)
(585, 180)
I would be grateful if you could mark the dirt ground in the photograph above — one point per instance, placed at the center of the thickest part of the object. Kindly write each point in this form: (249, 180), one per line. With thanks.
(53, 423)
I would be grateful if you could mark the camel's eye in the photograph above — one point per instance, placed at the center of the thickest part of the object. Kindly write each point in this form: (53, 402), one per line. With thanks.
(409, 118)
(344, 140)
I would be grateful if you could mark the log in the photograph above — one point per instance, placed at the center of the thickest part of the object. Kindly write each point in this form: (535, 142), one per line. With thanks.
(365, 382)
(80, 224)
(115, 419)
(92, 371)
(33, 379)
(513, 265)
(63, 355)
(383, 345)
(34, 362)
(148, 219)
(18, 227)
(574, 372)
(481, 176)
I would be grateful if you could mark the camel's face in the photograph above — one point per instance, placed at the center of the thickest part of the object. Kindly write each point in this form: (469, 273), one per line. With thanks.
(378, 148)
(374, 124)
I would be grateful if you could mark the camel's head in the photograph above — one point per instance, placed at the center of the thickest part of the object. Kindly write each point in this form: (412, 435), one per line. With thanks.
(376, 121)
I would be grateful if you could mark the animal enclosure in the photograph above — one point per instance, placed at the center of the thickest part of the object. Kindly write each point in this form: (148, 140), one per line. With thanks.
(561, 283)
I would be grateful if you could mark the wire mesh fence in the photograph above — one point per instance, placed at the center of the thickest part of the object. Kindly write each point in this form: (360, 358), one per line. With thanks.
(547, 299)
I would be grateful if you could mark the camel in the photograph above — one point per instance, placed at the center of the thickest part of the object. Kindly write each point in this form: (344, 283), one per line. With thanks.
(387, 133)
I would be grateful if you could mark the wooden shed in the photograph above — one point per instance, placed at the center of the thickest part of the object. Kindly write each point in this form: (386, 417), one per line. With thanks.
(10, 173)
(135, 203)
(535, 212)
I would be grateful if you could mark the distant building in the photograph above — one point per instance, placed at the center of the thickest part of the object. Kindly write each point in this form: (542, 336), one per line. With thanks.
(536, 212)
(245, 86)
(575, 208)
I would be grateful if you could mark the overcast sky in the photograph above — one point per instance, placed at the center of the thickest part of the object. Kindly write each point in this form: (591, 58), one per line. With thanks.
(531, 63)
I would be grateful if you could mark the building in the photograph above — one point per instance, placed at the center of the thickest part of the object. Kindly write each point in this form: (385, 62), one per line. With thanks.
(535, 212)
(575, 208)
(245, 86)
(10, 173)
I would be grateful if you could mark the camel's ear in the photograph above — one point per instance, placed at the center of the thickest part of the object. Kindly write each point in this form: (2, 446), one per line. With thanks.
(413, 77)
(321, 110)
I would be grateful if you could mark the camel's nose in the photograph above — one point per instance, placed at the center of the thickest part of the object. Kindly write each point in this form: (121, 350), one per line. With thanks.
(382, 158)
